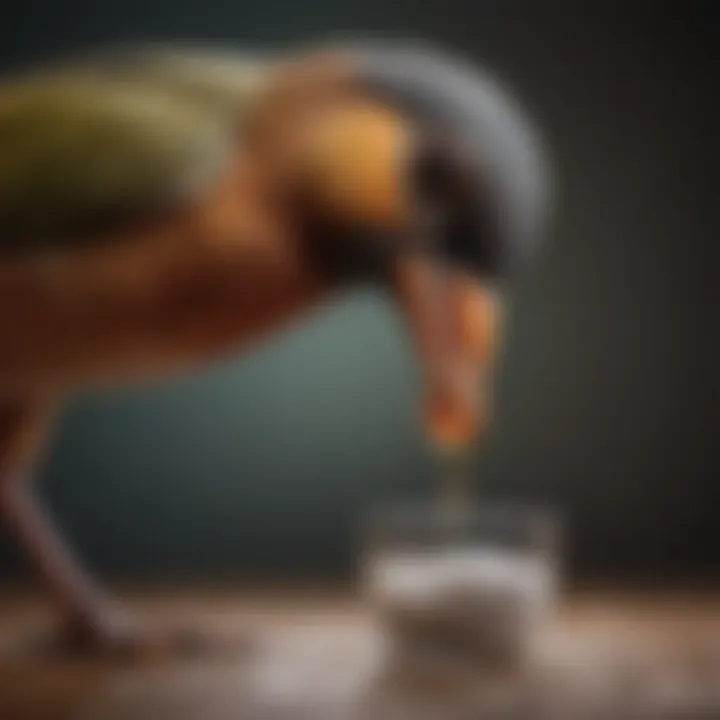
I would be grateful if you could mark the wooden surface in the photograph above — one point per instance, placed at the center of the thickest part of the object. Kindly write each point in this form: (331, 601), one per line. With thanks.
(324, 644)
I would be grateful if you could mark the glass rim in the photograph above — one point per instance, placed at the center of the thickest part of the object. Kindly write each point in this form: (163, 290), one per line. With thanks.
(534, 525)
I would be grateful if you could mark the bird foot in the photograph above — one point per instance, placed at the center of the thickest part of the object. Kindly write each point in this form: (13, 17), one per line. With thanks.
(121, 638)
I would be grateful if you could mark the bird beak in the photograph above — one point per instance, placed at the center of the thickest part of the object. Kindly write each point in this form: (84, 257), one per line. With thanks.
(453, 320)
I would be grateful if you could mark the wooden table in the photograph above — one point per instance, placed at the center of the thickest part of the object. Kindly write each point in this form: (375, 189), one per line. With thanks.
(326, 638)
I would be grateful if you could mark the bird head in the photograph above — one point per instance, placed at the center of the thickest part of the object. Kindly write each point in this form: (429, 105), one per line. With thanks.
(424, 174)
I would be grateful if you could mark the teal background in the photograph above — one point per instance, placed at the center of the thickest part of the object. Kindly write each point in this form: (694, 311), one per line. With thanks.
(254, 466)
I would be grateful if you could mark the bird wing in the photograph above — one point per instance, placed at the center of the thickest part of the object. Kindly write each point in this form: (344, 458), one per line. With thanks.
(110, 138)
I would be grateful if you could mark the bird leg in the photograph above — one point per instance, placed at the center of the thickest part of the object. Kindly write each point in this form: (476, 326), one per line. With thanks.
(82, 605)
(91, 621)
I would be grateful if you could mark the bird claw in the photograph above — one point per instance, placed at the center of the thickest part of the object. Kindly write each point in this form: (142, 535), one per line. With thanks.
(119, 638)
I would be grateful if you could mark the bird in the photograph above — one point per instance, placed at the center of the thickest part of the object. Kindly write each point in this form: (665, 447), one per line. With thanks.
(165, 205)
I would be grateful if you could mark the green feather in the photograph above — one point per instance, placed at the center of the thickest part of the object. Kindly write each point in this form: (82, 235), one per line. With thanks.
(109, 138)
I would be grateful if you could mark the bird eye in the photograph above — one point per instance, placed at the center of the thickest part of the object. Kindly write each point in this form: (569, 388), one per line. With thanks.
(450, 206)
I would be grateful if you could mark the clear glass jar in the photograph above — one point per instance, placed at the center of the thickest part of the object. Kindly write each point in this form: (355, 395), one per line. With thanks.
(470, 586)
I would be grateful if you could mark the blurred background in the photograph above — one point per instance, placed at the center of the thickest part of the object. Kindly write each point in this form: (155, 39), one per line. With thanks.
(609, 397)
